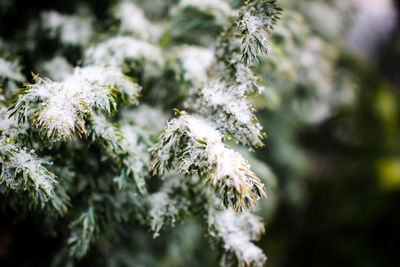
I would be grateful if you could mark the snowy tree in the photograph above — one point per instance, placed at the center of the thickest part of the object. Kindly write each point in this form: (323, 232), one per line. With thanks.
(144, 117)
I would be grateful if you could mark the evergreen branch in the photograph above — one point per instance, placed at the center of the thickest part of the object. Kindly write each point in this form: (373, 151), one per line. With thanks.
(198, 147)
(83, 233)
(124, 147)
(60, 108)
(23, 170)
(135, 160)
(228, 106)
(254, 22)
(168, 203)
(236, 232)
(106, 133)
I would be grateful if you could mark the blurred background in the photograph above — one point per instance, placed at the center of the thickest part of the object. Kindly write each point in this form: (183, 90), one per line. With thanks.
(332, 157)
(339, 173)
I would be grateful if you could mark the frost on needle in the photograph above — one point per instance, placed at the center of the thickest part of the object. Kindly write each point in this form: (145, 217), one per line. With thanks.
(60, 108)
(197, 147)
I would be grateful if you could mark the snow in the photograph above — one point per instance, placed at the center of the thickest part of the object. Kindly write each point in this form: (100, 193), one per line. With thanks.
(227, 105)
(57, 69)
(166, 204)
(25, 163)
(237, 232)
(254, 41)
(227, 163)
(207, 5)
(218, 95)
(196, 61)
(132, 19)
(252, 23)
(63, 105)
(205, 153)
(73, 30)
(103, 128)
(137, 149)
(200, 129)
(115, 50)
(246, 80)
(5, 122)
(11, 70)
(146, 117)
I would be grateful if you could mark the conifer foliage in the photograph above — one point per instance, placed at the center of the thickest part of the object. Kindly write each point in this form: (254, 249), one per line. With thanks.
(94, 148)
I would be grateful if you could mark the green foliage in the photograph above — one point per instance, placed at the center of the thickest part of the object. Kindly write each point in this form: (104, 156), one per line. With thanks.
(122, 164)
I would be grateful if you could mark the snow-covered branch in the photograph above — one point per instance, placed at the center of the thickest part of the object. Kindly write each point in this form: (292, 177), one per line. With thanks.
(59, 109)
